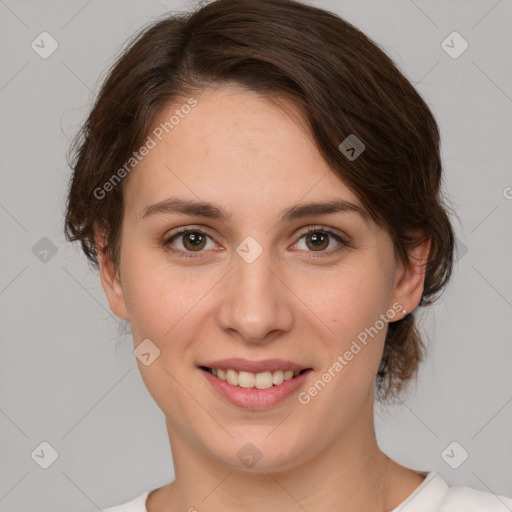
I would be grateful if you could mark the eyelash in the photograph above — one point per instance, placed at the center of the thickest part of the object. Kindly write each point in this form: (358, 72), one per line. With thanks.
(316, 229)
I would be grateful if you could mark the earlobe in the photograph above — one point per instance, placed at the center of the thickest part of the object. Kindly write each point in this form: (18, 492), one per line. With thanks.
(411, 278)
(111, 282)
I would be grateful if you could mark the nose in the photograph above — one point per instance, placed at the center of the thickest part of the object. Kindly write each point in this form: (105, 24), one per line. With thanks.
(256, 302)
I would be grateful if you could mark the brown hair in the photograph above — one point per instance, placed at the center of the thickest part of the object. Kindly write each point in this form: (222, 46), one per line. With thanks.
(343, 84)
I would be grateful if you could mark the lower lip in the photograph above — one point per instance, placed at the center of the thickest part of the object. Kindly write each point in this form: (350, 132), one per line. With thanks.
(253, 398)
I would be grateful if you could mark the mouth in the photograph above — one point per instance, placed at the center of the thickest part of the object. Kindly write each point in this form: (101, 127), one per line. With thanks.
(249, 380)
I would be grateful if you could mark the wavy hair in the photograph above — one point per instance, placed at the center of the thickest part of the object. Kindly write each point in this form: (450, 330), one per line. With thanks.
(342, 83)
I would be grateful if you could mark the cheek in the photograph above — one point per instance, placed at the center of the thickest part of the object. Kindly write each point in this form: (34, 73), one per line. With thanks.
(157, 294)
(350, 298)
(159, 308)
(353, 306)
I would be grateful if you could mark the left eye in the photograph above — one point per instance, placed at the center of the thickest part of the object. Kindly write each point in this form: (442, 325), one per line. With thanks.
(318, 240)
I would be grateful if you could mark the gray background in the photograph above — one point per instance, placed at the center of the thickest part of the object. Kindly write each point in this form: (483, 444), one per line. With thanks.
(67, 378)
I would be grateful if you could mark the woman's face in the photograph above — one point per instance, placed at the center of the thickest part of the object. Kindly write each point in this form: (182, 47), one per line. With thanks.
(253, 286)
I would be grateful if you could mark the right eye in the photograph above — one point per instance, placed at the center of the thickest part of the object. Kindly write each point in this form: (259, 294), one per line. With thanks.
(191, 241)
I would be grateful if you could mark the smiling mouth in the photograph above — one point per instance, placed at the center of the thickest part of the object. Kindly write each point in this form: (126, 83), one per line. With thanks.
(248, 380)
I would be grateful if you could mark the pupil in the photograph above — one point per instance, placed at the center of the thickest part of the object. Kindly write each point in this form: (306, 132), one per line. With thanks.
(193, 239)
(318, 239)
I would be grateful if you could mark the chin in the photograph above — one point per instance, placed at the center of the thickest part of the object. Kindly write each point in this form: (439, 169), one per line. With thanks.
(258, 452)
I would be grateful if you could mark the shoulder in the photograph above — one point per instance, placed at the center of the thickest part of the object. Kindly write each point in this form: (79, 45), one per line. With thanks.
(137, 504)
(467, 499)
(435, 495)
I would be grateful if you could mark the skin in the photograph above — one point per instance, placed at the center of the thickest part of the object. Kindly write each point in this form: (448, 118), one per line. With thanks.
(241, 151)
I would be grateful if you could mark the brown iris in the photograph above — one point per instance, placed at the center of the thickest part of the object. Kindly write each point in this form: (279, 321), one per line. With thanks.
(319, 239)
(196, 240)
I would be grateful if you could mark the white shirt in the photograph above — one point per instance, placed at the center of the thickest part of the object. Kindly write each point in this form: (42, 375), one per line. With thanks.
(433, 495)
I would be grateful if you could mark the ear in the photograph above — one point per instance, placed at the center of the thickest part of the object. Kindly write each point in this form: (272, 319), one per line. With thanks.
(410, 278)
(110, 280)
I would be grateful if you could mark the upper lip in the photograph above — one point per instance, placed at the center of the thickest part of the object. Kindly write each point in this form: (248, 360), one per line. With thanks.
(245, 365)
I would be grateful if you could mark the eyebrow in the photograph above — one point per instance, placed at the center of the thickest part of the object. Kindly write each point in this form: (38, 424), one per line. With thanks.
(212, 211)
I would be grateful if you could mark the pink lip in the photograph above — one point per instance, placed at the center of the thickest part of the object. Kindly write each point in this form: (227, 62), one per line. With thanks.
(244, 365)
(253, 398)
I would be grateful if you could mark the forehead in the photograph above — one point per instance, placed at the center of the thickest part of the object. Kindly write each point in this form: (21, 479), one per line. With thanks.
(234, 147)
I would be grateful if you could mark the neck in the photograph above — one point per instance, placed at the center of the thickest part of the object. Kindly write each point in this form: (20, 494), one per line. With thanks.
(350, 472)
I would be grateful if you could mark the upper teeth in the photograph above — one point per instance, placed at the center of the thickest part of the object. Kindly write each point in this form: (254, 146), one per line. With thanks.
(261, 380)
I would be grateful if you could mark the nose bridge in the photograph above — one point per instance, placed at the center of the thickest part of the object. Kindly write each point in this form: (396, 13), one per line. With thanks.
(255, 303)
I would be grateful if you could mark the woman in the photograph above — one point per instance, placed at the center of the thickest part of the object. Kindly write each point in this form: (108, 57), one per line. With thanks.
(260, 188)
